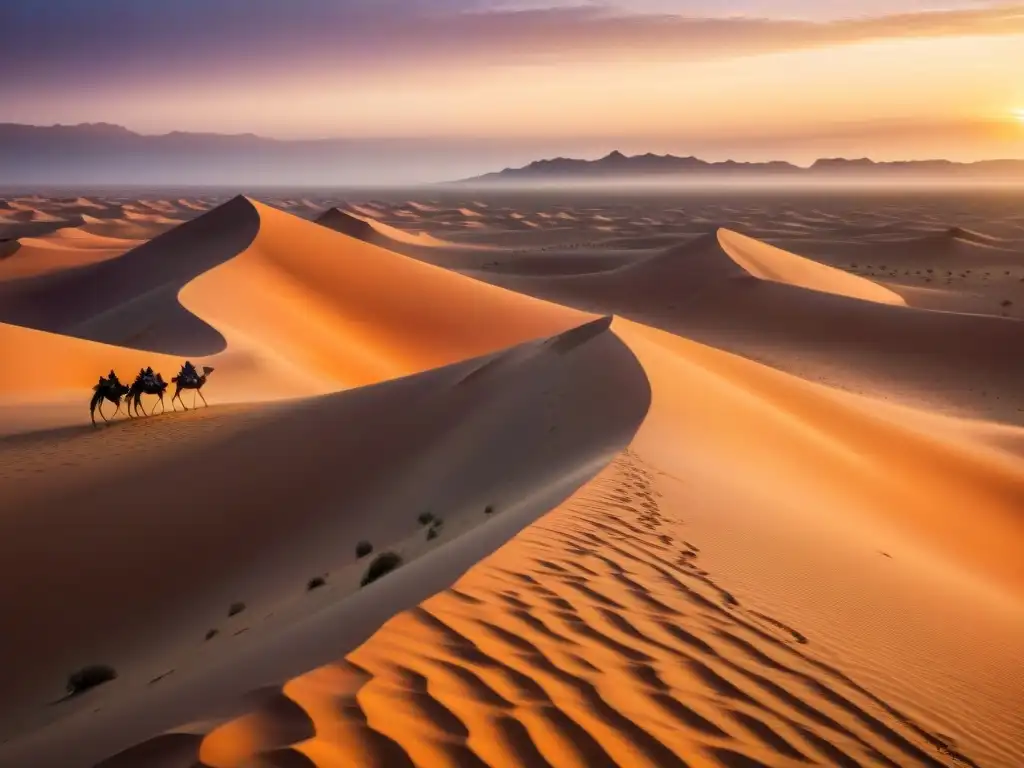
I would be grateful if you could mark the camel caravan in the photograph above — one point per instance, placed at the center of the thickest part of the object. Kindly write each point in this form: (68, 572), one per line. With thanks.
(146, 383)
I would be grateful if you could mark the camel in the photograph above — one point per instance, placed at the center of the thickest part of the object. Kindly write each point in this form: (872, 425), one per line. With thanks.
(107, 389)
(189, 379)
(146, 384)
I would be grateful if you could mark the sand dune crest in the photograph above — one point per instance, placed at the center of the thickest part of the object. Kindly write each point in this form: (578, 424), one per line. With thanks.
(770, 263)
(766, 515)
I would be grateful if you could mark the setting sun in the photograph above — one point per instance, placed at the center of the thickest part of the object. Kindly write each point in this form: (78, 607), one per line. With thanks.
(1019, 114)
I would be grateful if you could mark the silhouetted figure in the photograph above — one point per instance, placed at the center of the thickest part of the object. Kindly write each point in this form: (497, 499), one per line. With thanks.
(187, 380)
(107, 389)
(188, 372)
(146, 383)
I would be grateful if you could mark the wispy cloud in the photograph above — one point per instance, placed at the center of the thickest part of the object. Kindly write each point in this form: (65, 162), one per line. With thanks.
(71, 43)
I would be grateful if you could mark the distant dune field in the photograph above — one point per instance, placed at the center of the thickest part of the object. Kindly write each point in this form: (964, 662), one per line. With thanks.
(529, 480)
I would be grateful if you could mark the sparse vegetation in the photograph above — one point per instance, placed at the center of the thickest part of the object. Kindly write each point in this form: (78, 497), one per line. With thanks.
(426, 518)
(363, 548)
(90, 677)
(315, 583)
(1007, 303)
(212, 634)
(435, 528)
(489, 509)
(382, 565)
(235, 609)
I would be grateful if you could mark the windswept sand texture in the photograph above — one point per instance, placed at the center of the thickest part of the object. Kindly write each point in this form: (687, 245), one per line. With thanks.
(675, 481)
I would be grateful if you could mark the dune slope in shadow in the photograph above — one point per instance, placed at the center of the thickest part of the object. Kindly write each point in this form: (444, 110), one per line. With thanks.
(139, 585)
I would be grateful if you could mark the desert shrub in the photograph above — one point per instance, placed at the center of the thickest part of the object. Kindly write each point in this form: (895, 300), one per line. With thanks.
(90, 677)
(435, 528)
(315, 583)
(382, 564)
(363, 548)
(489, 509)
(1007, 303)
(236, 608)
(212, 634)
(426, 518)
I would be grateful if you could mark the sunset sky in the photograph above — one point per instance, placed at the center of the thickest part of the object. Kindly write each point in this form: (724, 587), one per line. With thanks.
(747, 79)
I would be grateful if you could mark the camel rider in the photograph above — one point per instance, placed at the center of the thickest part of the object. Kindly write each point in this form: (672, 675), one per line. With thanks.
(112, 378)
(188, 372)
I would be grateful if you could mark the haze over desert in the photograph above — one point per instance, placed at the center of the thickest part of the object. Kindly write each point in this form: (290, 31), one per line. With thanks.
(491, 384)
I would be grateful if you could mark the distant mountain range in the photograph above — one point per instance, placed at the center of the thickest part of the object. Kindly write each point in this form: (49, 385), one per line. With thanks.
(101, 154)
(616, 165)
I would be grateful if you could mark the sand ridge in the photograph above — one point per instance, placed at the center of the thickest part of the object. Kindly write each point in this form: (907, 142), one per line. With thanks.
(782, 487)
(771, 263)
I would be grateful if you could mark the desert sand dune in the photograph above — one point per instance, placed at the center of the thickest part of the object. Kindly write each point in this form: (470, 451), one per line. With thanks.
(274, 323)
(372, 231)
(770, 263)
(12, 228)
(348, 313)
(137, 227)
(132, 300)
(697, 291)
(359, 441)
(784, 509)
(8, 248)
(64, 249)
(597, 637)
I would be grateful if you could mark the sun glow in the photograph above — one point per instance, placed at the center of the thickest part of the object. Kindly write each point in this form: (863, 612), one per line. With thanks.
(1019, 114)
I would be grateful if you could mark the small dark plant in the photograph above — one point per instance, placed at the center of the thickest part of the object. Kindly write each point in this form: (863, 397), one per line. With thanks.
(315, 583)
(489, 509)
(236, 608)
(426, 518)
(382, 564)
(212, 634)
(363, 548)
(90, 677)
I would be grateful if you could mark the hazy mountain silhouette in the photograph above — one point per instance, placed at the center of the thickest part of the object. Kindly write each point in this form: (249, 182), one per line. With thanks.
(618, 165)
(105, 154)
